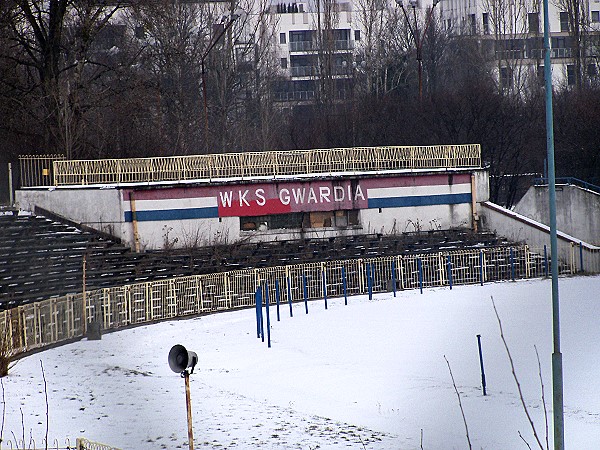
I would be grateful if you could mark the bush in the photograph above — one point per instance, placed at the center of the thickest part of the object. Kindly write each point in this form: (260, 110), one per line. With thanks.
(7, 354)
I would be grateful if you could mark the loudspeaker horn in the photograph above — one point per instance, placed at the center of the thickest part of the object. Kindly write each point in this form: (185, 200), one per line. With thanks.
(181, 359)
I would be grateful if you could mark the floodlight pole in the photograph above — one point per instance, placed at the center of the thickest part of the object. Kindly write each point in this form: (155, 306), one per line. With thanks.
(188, 403)
(210, 46)
(557, 371)
(418, 37)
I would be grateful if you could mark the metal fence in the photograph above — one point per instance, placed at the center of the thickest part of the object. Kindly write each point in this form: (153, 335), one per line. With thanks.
(80, 444)
(60, 319)
(38, 170)
(264, 164)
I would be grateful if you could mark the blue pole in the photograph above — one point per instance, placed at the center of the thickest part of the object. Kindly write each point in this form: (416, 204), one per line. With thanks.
(258, 299)
(268, 316)
(324, 287)
(394, 277)
(557, 371)
(481, 364)
(420, 270)
(305, 293)
(581, 255)
(277, 298)
(289, 291)
(369, 282)
(345, 285)
(512, 264)
(262, 322)
(373, 276)
(545, 262)
(449, 269)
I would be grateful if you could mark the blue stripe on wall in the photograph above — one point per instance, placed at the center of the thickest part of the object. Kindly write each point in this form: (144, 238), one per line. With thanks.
(173, 214)
(419, 200)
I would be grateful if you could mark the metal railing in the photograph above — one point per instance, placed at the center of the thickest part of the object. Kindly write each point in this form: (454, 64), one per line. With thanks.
(264, 164)
(569, 180)
(80, 444)
(65, 318)
(38, 170)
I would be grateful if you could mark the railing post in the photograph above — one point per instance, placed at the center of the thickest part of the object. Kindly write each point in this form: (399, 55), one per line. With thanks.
(545, 261)
(268, 314)
(345, 285)
(528, 262)
(324, 280)
(258, 306)
(420, 274)
(481, 266)
(369, 281)
(512, 264)
(449, 269)
(581, 256)
(277, 299)
(305, 292)
(394, 277)
(289, 288)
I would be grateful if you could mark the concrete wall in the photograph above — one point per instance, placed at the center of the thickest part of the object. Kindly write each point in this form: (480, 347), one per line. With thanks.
(577, 210)
(519, 228)
(100, 209)
(206, 214)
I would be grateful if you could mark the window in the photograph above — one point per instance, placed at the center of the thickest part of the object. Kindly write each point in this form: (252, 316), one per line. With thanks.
(571, 75)
(448, 24)
(506, 79)
(314, 219)
(564, 21)
(592, 70)
(541, 74)
(559, 42)
(284, 63)
(357, 35)
(282, 39)
(140, 32)
(473, 23)
(533, 20)
(486, 23)
(596, 16)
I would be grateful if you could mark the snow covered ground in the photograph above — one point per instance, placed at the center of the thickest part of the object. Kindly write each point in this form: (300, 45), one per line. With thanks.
(369, 375)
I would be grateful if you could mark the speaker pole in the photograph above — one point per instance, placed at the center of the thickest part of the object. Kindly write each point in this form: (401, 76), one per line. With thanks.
(188, 403)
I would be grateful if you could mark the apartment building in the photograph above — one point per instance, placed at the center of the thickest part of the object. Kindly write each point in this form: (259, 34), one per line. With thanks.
(509, 34)
(315, 45)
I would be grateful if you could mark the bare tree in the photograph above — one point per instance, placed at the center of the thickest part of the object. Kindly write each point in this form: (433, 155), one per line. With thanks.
(171, 38)
(509, 24)
(55, 62)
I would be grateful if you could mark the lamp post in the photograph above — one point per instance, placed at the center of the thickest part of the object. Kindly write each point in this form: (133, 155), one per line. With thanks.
(210, 46)
(418, 37)
(557, 370)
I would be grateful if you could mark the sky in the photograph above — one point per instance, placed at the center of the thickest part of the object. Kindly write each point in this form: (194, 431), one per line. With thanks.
(373, 374)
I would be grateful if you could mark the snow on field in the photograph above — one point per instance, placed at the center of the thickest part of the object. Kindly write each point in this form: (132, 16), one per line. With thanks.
(371, 375)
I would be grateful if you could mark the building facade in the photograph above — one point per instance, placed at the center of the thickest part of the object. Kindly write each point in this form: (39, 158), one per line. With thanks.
(319, 41)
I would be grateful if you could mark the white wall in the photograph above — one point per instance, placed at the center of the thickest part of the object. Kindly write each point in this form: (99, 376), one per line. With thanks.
(100, 209)
(577, 210)
(519, 228)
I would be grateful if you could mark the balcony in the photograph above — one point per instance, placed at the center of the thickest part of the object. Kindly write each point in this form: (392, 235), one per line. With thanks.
(308, 46)
(294, 96)
(510, 54)
(303, 71)
(312, 71)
